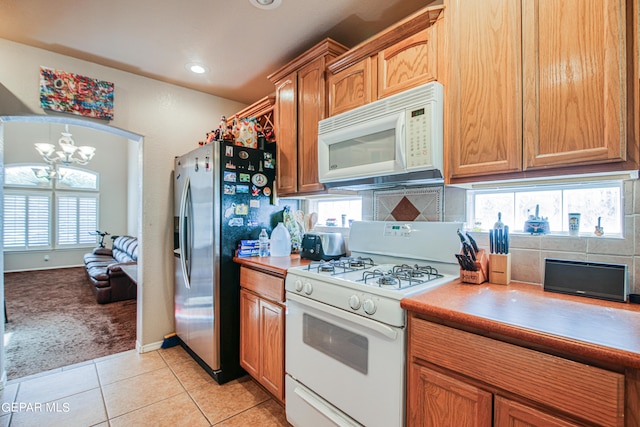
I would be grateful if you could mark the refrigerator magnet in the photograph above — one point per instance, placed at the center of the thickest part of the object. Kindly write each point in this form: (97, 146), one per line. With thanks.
(228, 151)
(254, 203)
(242, 209)
(266, 191)
(244, 177)
(255, 191)
(259, 180)
(229, 176)
(229, 165)
(243, 155)
(236, 222)
(229, 189)
(242, 189)
(230, 210)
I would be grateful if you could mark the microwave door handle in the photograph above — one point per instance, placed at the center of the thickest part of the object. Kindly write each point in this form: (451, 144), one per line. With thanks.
(400, 143)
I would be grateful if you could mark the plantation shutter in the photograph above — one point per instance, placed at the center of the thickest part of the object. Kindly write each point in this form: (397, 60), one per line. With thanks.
(77, 217)
(26, 221)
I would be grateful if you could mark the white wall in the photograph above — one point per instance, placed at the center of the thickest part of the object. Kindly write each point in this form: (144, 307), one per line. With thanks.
(170, 119)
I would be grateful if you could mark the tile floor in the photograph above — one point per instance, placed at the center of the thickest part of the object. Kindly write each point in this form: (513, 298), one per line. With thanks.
(165, 387)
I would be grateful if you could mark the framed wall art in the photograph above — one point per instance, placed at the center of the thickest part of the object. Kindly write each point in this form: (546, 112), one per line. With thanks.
(75, 94)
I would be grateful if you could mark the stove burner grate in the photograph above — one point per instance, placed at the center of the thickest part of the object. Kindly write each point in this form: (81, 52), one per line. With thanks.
(341, 265)
(401, 276)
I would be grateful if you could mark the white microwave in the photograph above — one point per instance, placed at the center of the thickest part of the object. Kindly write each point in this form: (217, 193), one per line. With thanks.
(392, 141)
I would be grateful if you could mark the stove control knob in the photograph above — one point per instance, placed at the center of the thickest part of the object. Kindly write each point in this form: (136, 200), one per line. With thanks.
(308, 289)
(354, 302)
(298, 285)
(369, 306)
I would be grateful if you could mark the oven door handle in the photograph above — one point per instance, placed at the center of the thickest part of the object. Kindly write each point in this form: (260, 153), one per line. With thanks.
(321, 407)
(372, 325)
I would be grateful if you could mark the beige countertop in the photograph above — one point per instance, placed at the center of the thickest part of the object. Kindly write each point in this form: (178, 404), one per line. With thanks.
(594, 329)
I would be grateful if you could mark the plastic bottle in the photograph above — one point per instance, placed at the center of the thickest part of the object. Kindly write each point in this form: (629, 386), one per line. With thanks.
(280, 241)
(263, 243)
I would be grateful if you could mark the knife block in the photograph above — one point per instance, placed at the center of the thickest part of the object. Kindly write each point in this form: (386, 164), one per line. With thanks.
(500, 269)
(482, 274)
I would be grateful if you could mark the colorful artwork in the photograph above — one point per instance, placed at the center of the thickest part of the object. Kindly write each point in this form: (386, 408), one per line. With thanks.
(76, 94)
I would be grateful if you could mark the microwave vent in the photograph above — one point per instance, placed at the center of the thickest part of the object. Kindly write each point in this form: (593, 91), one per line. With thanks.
(420, 95)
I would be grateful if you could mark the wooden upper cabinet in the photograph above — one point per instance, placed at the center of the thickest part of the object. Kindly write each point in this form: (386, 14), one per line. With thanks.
(540, 87)
(574, 72)
(351, 87)
(399, 58)
(286, 125)
(483, 91)
(311, 109)
(408, 63)
(301, 101)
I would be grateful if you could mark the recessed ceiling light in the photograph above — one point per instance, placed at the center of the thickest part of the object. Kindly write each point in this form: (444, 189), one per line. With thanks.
(265, 4)
(196, 68)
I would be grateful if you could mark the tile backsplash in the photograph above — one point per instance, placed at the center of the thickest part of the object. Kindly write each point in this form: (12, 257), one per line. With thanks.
(436, 203)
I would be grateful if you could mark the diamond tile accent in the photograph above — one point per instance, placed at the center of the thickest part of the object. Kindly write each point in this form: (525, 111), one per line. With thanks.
(409, 204)
(405, 211)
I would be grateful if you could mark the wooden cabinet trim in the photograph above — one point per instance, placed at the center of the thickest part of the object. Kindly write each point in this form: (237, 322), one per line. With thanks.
(325, 47)
(398, 32)
(583, 391)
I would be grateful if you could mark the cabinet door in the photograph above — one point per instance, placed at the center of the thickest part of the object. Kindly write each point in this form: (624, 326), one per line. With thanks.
(272, 348)
(250, 332)
(286, 136)
(484, 90)
(574, 77)
(311, 109)
(509, 413)
(351, 87)
(437, 400)
(407, 64)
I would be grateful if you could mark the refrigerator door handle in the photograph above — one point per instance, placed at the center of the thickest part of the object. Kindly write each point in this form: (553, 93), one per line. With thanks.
(185, 238)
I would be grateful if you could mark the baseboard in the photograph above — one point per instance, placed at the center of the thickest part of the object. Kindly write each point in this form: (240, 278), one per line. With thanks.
(148, 347)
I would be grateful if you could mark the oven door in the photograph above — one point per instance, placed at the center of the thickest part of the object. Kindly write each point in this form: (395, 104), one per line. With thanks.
(346, 363)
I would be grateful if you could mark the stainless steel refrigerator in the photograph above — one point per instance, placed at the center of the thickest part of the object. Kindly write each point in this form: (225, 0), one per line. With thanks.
(223, 194)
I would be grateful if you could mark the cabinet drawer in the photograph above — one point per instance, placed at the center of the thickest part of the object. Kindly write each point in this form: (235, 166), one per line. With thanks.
(574, 388)
(264, 284)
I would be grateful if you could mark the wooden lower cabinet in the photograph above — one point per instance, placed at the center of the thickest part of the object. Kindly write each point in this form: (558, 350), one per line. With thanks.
(457, 378)
(262, 334)
(437, 400)
(510, 413)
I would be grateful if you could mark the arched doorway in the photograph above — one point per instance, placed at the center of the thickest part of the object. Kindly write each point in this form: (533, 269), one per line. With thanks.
(135, 142)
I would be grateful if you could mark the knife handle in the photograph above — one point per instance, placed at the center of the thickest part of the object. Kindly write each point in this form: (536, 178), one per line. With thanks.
(491, 241)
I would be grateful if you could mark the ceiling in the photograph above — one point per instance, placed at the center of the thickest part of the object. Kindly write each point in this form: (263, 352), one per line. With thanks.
(238, 43)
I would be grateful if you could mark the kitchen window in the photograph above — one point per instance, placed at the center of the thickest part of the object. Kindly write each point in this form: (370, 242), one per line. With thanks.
(41, 214)
(330, 212)
(594, 201)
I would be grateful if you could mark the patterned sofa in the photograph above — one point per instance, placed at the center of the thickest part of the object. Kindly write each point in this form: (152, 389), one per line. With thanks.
(108, 281)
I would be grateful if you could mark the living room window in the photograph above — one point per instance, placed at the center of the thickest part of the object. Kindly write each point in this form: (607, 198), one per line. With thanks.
(42, 214)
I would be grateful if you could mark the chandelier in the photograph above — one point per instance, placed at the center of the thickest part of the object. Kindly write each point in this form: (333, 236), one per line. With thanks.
(69, 153)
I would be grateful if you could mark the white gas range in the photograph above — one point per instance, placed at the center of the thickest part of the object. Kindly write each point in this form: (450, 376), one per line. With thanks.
(345, 329)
